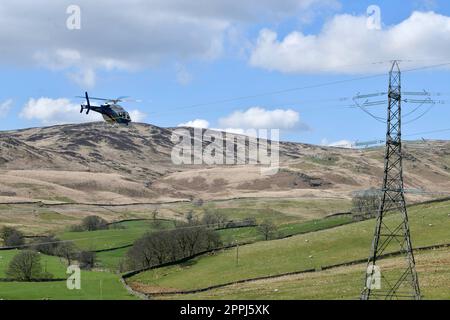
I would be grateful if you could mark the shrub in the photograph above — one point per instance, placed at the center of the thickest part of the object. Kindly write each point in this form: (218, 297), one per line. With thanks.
(46, 245)
(11, 237)
(26, 266)
(86, 259)
(92, 223)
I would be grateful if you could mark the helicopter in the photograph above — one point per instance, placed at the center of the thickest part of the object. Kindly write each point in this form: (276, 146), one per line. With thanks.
(111, 111)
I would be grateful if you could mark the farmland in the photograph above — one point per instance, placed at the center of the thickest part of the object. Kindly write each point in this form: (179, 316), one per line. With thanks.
(429, 224)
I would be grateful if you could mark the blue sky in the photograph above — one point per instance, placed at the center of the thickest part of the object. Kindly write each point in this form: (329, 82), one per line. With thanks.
(183, 60)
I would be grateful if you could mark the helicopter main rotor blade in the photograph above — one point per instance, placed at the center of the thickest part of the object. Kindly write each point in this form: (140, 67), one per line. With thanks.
(115, 101)
(93, 98)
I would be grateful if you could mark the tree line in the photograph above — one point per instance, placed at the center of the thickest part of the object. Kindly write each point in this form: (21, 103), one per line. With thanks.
(26, 265)
(164, 246)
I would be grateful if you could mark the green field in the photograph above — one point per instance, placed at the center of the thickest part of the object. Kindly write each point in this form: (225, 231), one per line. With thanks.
(279, 210)
(95, 285)
(251, 234)
(111, 259)
(52, 264)
(433, 267)
(125, 233)
(429, 225)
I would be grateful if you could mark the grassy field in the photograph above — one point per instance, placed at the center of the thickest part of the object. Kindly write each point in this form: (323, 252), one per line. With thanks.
(95, 285)
(125, 233)
(279, 210)
(429, 225)
(111, 259)
(52, 264)
(249, 234)
(433, 268)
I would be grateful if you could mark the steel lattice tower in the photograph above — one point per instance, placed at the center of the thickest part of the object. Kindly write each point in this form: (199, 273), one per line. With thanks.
(392, 234)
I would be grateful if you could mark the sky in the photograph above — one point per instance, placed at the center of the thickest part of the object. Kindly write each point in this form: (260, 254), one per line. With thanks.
(292, 65)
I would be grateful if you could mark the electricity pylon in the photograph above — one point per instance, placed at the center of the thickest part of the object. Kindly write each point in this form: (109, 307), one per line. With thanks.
(384, 279)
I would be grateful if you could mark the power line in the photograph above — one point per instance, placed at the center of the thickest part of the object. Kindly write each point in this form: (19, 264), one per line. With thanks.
(427, 132)
(283, 91)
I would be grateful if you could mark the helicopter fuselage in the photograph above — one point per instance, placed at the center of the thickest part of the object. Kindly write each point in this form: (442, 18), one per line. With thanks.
(112, 113)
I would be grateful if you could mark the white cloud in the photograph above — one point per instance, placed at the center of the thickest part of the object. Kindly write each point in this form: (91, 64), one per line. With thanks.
(197, 123)
(5, 106)
(56, 111)
(243, 122)
(128, 35)
(137, 116)
(341, 143)
(260, 118)
(182, 74)
(346, 45)
(84, 78)
(61, 111)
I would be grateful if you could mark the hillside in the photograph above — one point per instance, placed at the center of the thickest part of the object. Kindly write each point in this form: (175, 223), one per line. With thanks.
(296, 256)
(99, 163)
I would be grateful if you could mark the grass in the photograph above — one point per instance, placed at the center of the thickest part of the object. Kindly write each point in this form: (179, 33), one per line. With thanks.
(111, 259)
(429, 225)
(52, 264)
(311, 226)
(324, 159)
(52, 216)
(279, 210)
(250, 234)
(95, 285)
(433, 269)
(113, 237)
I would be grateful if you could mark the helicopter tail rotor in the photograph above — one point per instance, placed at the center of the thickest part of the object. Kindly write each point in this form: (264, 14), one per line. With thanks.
(88, 107)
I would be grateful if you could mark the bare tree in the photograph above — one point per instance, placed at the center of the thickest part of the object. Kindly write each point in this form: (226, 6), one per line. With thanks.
(170, 245)
(365, 204)
(267, 229)
(139, 255)
(46, 245)
(214, 219)
(67, 251)
(156, 221)
(87, 259)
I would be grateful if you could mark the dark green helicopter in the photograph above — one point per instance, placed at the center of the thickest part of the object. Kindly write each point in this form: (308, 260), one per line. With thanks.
(111, 111)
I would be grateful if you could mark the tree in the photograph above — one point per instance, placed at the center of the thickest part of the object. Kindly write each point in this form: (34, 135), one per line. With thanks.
(86, 259)
(365, 204)
(156, 221)
(190, 217)
(198, 202)
(46, 245)
(139, 255)
(92, 223)
(11, 237)
(170, 245)
(26, 266)
(267, 229)
(214, 219)
(67, 251)
(209, 219)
